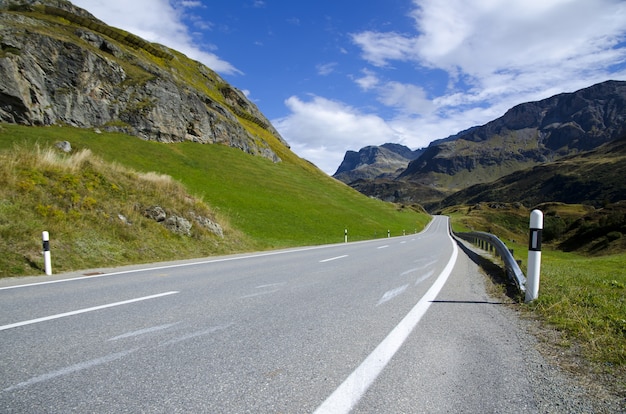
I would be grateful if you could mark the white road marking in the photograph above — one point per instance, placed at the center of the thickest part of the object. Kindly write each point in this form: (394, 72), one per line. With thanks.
(197, 334)
(424, 277)
(415, 269)
(348, 394)
(333, 258)
(392, 294)
(71, 369)
(252, 295)
(79, 311)
(271, 285)
(432, 262)
(143, 331)
(383, 247)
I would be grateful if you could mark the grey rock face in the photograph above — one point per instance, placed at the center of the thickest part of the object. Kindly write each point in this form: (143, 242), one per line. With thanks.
(178, 225)
(385, 161)
(55, 73)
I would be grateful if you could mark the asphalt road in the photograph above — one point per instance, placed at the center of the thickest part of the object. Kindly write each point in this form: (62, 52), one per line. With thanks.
(393, 325)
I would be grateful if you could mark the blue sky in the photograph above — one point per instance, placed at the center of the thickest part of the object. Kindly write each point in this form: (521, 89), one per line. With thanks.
(338, 75)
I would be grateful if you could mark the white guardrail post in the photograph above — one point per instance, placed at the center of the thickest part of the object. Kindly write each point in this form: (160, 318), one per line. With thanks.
(47, 264)
(345, 236)
(534, 255)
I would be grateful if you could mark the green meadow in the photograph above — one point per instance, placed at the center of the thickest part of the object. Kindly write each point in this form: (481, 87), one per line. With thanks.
(261, 205)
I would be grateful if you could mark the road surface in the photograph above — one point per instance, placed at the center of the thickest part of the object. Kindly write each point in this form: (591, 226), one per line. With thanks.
(400, 324)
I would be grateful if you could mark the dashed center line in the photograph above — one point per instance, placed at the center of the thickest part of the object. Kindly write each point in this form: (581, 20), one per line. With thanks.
(333, 258)
(383, 247)
(79, 311)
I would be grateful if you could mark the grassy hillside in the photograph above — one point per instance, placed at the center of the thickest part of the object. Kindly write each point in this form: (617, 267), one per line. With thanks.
(261, 204)
(593, 177)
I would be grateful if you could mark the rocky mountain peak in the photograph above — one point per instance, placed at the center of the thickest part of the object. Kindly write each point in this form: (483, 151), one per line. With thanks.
(373, 161)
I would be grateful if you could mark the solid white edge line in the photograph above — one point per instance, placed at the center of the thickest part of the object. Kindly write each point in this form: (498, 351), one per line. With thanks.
(348, 394)
(79, 311)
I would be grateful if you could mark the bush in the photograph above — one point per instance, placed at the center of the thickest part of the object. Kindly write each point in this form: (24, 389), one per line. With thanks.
(614, 235)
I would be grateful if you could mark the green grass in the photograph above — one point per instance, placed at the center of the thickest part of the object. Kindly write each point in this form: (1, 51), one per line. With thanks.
(265, 205)
(585, 298)
(80, 200)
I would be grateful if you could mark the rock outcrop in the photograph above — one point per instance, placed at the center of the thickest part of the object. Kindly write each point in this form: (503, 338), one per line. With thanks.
(385, 161)
(60, 65)
(179, 224)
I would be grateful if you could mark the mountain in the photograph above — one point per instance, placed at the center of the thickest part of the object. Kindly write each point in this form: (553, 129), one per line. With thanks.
(527, 135)
(593, 178)
(59, 65)
(387, 160)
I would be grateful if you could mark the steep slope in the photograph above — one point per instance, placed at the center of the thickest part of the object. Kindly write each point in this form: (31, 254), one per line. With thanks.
(61, 66)
(594, 178)
(385, 161)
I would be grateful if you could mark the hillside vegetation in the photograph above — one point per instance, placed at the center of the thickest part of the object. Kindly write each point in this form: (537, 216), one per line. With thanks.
(78, 197)
(593, 177)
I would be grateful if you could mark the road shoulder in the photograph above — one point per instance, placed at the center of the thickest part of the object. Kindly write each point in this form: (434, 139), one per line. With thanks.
(562, 381)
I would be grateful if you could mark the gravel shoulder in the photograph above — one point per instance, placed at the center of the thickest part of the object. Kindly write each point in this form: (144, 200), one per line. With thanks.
(562, 381)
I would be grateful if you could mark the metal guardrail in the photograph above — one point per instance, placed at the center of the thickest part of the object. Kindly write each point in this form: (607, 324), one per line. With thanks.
(489, 242)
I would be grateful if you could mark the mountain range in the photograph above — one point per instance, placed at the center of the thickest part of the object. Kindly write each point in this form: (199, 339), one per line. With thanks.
(526, 136)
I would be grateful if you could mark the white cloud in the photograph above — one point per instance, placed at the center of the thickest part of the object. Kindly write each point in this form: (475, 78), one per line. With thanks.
(157, 21)
(325, 69)
(494, 45)
(322, 130)
(406, 98)
(368, 81)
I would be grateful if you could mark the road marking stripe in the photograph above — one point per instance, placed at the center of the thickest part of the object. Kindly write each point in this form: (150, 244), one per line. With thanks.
(71, 369)
(271, 285)
(424, 277)
(197, 334)
(348, 394)
(253, 295)
(79, 311)
(383, 247)
(333, 258)
(392, 294)
(143, 331)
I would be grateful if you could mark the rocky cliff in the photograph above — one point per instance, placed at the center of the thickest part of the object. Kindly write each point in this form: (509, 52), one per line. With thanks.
(60, 65)
(385, 161)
